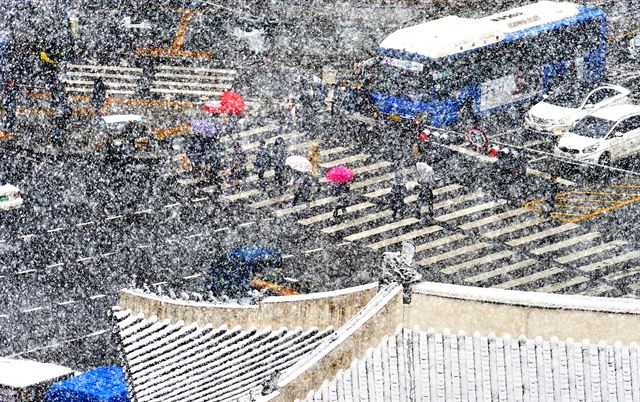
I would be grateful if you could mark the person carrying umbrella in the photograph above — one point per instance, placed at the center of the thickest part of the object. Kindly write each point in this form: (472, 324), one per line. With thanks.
(303, 182)
(314, 157)
(340, 176)
(238, 163)
(426, 180)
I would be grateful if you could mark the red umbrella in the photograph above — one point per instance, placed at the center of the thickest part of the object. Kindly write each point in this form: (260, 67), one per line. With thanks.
(340, 174)
(231, 102)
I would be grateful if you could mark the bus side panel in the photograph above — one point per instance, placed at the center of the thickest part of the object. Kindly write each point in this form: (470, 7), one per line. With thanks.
(594, 64)
(441, 113)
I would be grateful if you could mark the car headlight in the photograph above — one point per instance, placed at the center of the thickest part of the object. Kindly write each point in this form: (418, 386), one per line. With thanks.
(559, 130)
(591, 149)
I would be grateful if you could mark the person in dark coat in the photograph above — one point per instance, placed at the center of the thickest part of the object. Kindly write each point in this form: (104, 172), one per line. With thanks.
(396, 197)
(238, 163)
(99, 94)
(10, 104)
(551, 192)
(61, 122)
(278, 159)
(303, 186)
(341, 194)
(263, 161)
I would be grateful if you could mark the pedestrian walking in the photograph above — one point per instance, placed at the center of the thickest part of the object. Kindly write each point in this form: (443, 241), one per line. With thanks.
(238, 164)
(341, 194)
(303, 187)
(288, 113)
(61, 122)
(551, 192)
(9, 104)
(426, 181)
(263, 161)
(213, 165)
(278, 159)
(396, 197)
(98, 95)
(314, 157)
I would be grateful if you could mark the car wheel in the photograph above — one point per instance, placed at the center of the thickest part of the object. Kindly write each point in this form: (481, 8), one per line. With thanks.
(605, 159)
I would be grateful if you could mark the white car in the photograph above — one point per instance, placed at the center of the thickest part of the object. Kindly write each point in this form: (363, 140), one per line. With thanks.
(559, 110)
(607, 135)
(10, 197)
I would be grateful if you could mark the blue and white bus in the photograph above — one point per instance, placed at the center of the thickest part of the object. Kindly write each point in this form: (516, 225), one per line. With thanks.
(453, 68)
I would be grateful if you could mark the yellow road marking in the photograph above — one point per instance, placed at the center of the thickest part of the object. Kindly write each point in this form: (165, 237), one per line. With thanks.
(171, 131)
(279, 289)
(6, 136)
(626, 186)
(623, 35)
(585, 200)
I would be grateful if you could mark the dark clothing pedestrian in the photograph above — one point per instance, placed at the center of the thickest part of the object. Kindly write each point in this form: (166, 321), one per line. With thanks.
(60, 124)
(426, 181)
(396, 199)
(9, 105)
(278, 158)
(99, 94)
(238, 163)
(303, 187)
(551, 192)
(341, 194)
(263, 161)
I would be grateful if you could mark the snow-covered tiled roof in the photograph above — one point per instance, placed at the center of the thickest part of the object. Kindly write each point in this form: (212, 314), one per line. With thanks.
(167, 361)
(416, 365)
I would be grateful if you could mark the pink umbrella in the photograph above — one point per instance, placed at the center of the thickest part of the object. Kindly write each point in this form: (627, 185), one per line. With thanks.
(340, 174)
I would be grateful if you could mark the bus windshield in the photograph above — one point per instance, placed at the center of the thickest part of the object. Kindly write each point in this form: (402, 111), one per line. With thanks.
(391, 80)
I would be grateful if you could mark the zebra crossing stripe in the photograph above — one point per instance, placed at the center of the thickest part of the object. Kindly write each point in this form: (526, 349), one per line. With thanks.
(494, 218)
(103, 75)
(610, 261)
(271, 201)
(205, 69)
(555, 287)
(453, 253)
(356, 222)
(364, 169)
(619, 275)
(439, 242)
(468, 211)
(331, 151)
(542, 234)
(381, 229)
(288, 136)
(513, 228)
(529, 278)
(190, 84)
(249, 133)
(598, 290)
(501, 271)
(590, 251)
(344, 161)
(458, 200)
(97, 67)
(109, 84)
(305, 206)
(403, 237)
(184, 92)
(328, 215)
(452, 269)
(195, 76)
(373, 180)
(565, 243)
(243, 194)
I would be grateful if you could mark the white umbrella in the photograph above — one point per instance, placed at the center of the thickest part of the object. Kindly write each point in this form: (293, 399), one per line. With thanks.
(299, 163)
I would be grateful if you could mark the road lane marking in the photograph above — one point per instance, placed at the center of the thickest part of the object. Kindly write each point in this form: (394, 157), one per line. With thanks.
(458, 200)
(194, 235)
(439, 242)
(403, 237)
(494, 218)
(381, 229)
(109, 254)
(486, 259)
(315, 250)
(529, 278)
(302, 207)
(469, 211)
(619, 275)
(201, 199)
(58, 264)
(373, 180)
(227, 71)
(172, 205)
(84, 259)
(192, 276)
(501, 271)
(242, 225)
(271, 201)
(590, 251)
(97, 296)
(110, 218)
(610, 261)
(453, 253)
(287, 256)
(243, 194)
(28, 271)
(542, 234)
(555, 287)
(492, 234)
(357, 222)
(344, 161)
(565, 243)
(66, 303)
(56, 229)
(143, 211)
(32, 310)
(328, 215)
(159, 283)
(25, 236)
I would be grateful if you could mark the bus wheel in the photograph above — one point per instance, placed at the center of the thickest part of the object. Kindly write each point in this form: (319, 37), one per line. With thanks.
(477, 139)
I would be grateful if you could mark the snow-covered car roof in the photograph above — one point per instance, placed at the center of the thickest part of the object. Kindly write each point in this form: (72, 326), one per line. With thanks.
(616, 112)
(8, 188)
(24, 373)
(122, 118)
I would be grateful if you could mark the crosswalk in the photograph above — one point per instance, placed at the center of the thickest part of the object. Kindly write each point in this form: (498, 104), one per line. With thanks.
(474, 238)
(166, 81)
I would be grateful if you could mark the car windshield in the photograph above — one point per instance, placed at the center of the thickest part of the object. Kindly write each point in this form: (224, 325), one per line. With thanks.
(592, 127)
(570, 96)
